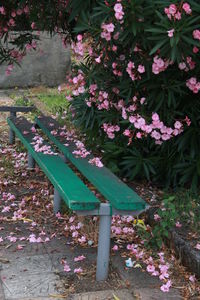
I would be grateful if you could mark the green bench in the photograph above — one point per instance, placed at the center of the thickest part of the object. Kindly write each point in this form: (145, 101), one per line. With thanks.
(120, 199)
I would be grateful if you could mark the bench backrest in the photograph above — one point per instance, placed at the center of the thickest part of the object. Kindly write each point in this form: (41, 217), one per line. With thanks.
(15, 109)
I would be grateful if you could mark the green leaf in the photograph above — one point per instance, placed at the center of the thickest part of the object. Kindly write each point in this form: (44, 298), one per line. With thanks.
(157, 46)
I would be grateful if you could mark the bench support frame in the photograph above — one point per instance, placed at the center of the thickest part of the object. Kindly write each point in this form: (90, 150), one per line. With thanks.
(105, 212)
(103, 253)
(57, 201)
(11, 132)
(31, 162)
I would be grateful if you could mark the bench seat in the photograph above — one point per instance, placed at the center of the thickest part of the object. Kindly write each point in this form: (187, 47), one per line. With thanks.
(70, 187)
(112, 188)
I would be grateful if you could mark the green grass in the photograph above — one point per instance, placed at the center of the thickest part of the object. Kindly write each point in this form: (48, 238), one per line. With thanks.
(54, 102)
(51, 100)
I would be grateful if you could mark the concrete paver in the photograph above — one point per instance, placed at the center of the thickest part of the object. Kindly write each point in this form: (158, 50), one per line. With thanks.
(156, 294)
(104, 295)
(32, 285)
(29, 265)
(2, 296)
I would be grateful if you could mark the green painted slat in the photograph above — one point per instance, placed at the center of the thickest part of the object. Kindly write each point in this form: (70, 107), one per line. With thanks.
(112, 188)
(73, 191)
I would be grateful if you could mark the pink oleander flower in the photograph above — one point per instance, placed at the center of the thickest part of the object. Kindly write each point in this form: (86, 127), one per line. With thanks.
(165, 287)
(197, 246)
(96, 161)
(170, 33)
(141, 69)
(6, 209)
(157, 217)
(67, 268)
(196, 34)
(119, 14)
(172, 9)
(150, 268)
(2, 10)
(186, 8)
(115, 248)
(78, 270)
(195, 49)
(192, 278)
(79, 258)
(178, 224)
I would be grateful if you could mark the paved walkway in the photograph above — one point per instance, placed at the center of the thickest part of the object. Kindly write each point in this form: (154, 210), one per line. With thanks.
(35, 272)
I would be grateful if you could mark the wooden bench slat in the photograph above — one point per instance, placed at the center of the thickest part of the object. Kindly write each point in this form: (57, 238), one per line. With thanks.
(17, 108)
(112, 188)
(70, 187)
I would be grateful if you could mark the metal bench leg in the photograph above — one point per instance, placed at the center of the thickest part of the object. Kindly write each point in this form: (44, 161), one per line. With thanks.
(57, 201)
(11, 137)
(103, 254)
(31, 162)
(11, 132)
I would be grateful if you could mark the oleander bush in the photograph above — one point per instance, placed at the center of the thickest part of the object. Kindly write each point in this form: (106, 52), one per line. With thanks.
(135, 82)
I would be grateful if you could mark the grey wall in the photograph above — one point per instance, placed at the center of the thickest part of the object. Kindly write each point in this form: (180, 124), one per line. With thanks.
(47, 68)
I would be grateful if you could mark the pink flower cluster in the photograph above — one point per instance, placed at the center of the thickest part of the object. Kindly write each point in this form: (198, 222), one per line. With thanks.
(39, 146)
(17, 55)
(119, 13)
(68, 269)
(31, 46)
(193, 84)
(9, 69)
(162, 271)
(188, 65)
(159, 65)
(174, 11)
(161, 133)
(80, 150)
(11, 22)
(107, 30)
(96, 161)
(133, 72)
(78, 84)
(99, 98)
(33, 239)
(116, 70)
(79, 47)
(156, 129)
(110, 130)
(2, 10)
(170, 33)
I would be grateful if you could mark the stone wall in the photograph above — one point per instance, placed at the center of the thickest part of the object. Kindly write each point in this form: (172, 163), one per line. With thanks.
(46, 66)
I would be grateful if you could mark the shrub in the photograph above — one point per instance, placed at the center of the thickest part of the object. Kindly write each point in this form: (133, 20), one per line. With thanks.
(136, 87)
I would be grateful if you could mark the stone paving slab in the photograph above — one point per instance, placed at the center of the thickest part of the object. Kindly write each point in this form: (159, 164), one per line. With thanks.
(104, 295)
(32, 285)
(155, 294)
(54, 297)
(1, 291)
(30, 249)
(27, 265)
